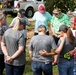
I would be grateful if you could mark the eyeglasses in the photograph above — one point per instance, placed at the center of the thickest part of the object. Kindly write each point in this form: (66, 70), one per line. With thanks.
(56, 13)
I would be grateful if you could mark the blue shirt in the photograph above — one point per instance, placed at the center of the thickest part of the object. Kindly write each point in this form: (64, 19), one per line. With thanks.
(41, 18)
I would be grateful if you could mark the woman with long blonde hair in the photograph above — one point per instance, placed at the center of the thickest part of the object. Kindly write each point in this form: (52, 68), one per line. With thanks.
(13, 47)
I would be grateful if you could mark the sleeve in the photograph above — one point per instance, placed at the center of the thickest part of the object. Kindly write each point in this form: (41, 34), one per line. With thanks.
(58, 43)
(1, 31)
(67, 20)
(21, 41)
(3, 38)
(53, 44)
(34, 17)
(30, 47)
(27, 21)
(13, 22)
(52, 20)
(49, 17)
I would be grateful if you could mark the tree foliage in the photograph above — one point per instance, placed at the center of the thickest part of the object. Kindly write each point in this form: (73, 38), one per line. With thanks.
(67, 5)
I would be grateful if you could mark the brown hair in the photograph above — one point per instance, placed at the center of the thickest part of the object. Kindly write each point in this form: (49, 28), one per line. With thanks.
(70, 36)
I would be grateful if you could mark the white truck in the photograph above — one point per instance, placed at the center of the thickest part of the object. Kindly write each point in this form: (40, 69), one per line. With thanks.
(30, 6)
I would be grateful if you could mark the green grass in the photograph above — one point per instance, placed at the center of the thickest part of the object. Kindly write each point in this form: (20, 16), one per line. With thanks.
(28, 70)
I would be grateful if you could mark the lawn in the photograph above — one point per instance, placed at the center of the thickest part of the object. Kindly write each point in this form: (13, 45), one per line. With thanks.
(28, 70)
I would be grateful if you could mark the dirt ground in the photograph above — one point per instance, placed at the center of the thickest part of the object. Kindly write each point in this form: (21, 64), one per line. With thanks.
(30, 34)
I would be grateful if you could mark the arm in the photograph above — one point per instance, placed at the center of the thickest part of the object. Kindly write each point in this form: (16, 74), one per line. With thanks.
(52, 30)
(58, 50)
(0, 39)
(44, 53)
(18, 52)
(4, 49)
(31, 20)
(72, 52)
(30, 54)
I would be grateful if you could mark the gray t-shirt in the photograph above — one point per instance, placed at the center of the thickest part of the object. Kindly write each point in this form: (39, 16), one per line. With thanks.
(27, 23)
(66, 48)
(2, 30)
(14, 39)
(40, 42)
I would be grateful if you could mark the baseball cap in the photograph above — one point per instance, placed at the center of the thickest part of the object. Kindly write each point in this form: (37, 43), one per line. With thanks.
(73, 20)
(40, 26)
(41, 8)
(63, 28)
(23, 21)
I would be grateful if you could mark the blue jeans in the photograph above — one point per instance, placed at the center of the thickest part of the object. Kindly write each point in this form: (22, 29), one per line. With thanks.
(14, 70)
(66, 68)
(74, 68)
(2, 64)
(39, 67)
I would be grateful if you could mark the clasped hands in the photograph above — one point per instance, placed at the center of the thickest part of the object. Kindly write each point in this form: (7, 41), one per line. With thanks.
(8, 59)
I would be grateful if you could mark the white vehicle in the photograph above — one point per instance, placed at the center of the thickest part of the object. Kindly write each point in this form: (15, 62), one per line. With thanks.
(30, 6)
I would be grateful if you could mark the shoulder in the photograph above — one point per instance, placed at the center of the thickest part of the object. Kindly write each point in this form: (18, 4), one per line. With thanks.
(15, 18)
(47, 13)
(49, 37)
(65, 15)
(36, 13)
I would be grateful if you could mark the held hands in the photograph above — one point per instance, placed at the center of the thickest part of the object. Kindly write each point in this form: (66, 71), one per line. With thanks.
(58, 50)
(71, 53)
(8, 59)
(45, 53)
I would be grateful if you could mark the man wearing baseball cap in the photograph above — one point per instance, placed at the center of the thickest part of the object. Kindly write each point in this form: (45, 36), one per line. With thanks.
(41, 17)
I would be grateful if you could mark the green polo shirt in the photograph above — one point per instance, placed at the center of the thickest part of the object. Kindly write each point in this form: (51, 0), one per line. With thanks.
(57, 22)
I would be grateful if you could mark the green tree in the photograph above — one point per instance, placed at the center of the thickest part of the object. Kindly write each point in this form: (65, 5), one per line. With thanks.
(51, 4)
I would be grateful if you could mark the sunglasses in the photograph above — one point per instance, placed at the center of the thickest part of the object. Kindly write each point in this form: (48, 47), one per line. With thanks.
(56, 13)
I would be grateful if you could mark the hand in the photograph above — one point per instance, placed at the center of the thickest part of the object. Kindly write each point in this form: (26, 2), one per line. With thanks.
(71, 53)
(59, 36)
(55, 35)
(62, 39)
(8, 59)
(43, 52)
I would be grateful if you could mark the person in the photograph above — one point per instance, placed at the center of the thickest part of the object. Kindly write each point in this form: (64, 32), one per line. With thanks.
(66, 65)
(41, 17)
(41, 42)
(2, 30)
(73, 28)
(57, 20)
(66, 53)
(21, 14)
(13, 47)
(6, 24)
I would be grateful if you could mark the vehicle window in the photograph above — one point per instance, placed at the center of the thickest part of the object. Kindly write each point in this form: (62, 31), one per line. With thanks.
(38, 0)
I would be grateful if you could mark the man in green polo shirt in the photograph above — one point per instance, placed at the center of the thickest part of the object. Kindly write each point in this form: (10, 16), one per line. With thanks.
(57, 20)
